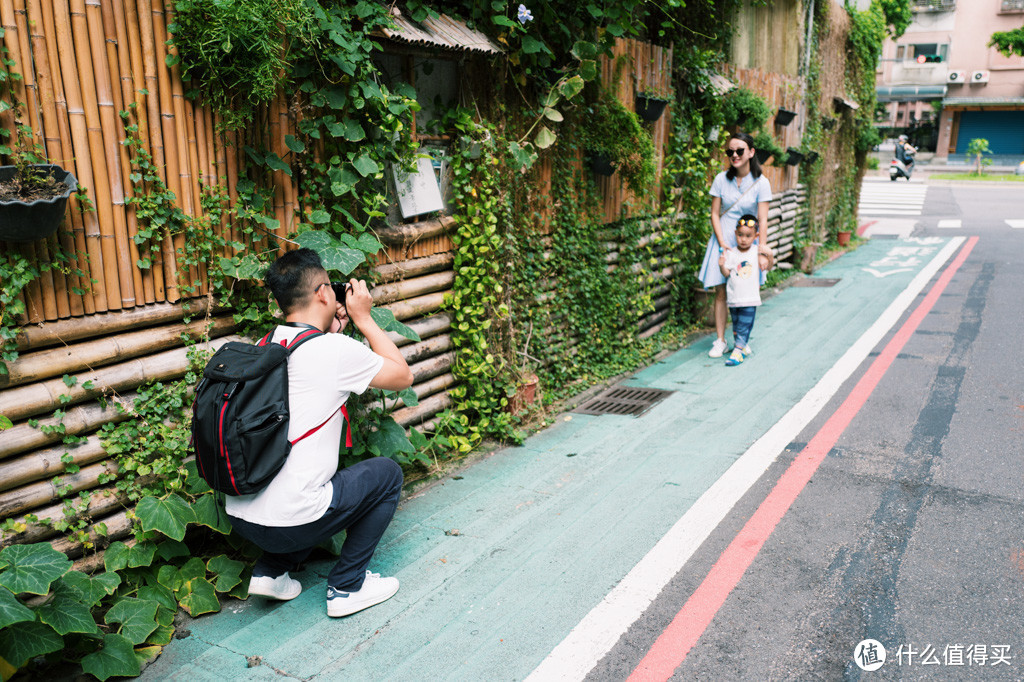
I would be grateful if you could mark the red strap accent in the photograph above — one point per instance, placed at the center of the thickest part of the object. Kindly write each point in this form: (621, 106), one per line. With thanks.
(344, 413)
(223, 450)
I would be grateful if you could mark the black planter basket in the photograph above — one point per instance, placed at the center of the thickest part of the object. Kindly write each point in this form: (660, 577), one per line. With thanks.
(793, 156)
(30, 221)
(650, 109)
(601, 164)
(811, 158)
(762, 155)
(783, 117)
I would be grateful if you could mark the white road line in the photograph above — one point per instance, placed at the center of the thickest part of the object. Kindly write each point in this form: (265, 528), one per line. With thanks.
(954, 223)
(1016, 224)
(875, 211)
(600, 629)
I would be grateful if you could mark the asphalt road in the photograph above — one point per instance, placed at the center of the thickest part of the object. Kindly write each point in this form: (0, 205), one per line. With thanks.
(911, 531)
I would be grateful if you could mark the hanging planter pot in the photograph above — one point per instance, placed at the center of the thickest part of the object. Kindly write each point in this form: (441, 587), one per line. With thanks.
(601, 163)
(793, 156)
(810, 158)
(650, 108)
(34, 218)
(762, 155)
(783, 117)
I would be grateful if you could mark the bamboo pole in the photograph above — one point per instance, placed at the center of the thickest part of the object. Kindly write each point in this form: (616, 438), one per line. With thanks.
(432, 367)
(231, 150)
(277, 177)
(411, 416)
(410, 288)
(115, 527)
(417, 266)
(216, 141)
(28, 497)
(435, 345)
(32, 293)
(73, 241)
(91, 354)
(102, 501)
(288, 181)
(26, 401)
(77, 420)
(405, 235)
(414, 307)
(46, 463)
(425, 327)
(54, 150)
(66, 331)
(165, 154)
(196, 168)
(110, 157)
(422, 390)
(117, 63)
(80, 136)
(48, 282)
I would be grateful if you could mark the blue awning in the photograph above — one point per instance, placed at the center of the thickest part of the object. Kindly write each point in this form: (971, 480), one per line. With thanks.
(910, 93)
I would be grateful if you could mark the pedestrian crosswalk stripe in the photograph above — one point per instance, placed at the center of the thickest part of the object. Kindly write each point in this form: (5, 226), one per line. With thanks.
(954, 223)
(877, 199)
(1018, 224)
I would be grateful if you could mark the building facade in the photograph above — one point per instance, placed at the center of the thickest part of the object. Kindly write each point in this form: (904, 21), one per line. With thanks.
(942, 71)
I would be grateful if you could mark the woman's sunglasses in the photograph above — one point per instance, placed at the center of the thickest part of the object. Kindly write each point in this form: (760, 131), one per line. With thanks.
(734, 152)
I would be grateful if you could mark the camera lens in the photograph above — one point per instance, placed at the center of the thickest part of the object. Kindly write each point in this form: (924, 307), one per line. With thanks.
(340, 289)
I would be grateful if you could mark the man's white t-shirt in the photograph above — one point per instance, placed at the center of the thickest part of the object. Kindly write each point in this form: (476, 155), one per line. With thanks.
(744, 285)
(322, 373)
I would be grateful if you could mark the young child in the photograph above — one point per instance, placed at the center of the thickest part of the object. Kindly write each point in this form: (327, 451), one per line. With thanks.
(742, 267)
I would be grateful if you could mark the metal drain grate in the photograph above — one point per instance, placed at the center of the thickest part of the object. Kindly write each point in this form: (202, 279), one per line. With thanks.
(624, 400)
(816, 282)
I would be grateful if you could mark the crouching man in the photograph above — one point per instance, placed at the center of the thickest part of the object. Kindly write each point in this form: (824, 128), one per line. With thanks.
(310, 500)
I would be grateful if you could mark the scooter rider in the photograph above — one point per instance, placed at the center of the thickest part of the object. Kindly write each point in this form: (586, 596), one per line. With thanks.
(905, 152)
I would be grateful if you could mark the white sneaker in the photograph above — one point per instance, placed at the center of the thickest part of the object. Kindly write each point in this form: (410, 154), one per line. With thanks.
(282, 587)
(374, 590)
(717, 349)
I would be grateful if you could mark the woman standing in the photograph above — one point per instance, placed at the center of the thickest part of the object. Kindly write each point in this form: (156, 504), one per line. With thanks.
(740, 189)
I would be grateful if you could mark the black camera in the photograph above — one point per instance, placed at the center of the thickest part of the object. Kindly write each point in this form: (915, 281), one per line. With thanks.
(340, 289)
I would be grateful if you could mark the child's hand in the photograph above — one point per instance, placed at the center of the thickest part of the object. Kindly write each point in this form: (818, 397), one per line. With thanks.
(721, 257)
(763, 262)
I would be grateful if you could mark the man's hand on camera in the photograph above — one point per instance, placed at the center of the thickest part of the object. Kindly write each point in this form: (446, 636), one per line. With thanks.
(340, 320)
(358, 302)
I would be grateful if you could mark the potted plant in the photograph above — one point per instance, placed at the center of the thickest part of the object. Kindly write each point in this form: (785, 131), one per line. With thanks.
(616, 141)
(843, 237)
(783, 117)
(793, 156)
(743, 108)
(766, 147)
(526, 380)
(650, 104)
(810, 157)
(33, 194)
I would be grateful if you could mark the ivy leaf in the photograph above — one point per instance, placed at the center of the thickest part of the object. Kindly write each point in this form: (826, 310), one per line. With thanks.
(86, 589)
(315, 239)
(545, 138)
(5, 423)
(334, 543)
(115, 659)
(198, 596)
(136, 616)
(194, 483)
(161, 595)
(116, 556)
(31, 568)
(390, 439)
(588, 69)
(241, 590)
(385, 319)
(170, 515)
(571, 87)
(409, 397)
(524, 156)
(341, 258)
(209, 514)
(193, 568)
(67, 615)
(275, 162)
(337, 98)
(13, 611)
(366, 166)
(532, 46)
(366, 242)
(172, 549)
(228, 572)
(297, 146)
(553, 115)
(141, 554)
(162, 636)
(353, 131)
(169, 577)
(319, 217)
(418, 440)
(24, 641)
(583, 49)
(502, 20)
(255, 156)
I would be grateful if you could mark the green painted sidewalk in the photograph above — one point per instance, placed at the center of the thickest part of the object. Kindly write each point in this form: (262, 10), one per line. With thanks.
(546, 530)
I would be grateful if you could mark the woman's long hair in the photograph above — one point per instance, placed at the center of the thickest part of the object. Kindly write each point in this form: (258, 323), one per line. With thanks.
(755, 165)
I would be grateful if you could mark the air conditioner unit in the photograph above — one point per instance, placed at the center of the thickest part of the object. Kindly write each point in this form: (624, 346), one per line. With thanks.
(956, 77)
(979, 76)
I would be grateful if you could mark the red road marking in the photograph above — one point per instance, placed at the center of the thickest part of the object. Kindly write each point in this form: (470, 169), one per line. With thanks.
(863, 228)
(672, 646)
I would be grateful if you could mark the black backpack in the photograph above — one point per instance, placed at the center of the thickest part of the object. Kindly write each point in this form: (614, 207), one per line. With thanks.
(240, 415)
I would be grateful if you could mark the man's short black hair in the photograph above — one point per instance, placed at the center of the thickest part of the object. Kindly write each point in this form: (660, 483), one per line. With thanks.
(292, 278)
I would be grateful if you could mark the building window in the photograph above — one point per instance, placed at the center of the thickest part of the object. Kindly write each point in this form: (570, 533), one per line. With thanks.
(1012, 6)
(925, 53)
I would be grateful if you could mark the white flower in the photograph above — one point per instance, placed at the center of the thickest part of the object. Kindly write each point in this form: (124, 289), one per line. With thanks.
(524, 15)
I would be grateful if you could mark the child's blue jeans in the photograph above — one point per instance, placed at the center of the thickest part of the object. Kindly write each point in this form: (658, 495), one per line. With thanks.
(742, 323)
